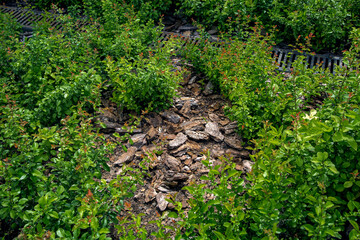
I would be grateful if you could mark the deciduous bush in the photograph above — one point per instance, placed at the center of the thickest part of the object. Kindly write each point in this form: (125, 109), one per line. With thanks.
(304, 183)
(147, 83)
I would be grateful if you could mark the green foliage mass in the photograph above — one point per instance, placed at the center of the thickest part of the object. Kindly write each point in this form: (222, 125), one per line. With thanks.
(331, 20)
(52, 157)
(304, 183)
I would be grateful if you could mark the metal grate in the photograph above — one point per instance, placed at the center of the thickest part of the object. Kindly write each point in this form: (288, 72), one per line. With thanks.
(283, 58)
(28, 18)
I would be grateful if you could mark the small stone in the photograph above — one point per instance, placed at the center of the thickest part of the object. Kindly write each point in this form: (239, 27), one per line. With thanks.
(188, 161)
(152, 133)
(126, 157)
(197, 135)
(150, 194)
(213, 117)
(163, 189)
(197, 125)
(154, 120)
(233, 142)
(162, 203)
(179, 177)
(185, 148)
(224, 122)
(109, 124)
(199, 159)
(232, 153)
(185, 157)
(196, 89)
(213, 130)
(209, 88)
(178, 141)
(186, 108)
(172, 163)
(196, 166)
(139, 140)
(217, 151)
(171, 117)
(215, 106)
(247, 165)
(186, 169)
(192, 80)
(179, 102)
(168, 136)
(244, 154)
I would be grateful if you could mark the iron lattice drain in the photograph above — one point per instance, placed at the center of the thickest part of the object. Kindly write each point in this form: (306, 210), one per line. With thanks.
(283, 58)
(28, 19)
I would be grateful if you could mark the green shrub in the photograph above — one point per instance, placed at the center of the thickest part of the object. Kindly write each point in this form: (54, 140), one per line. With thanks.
(48, 177)
(329, 21)
(51, 156)
(147, 83)
(9, 30)
(304, 183)
(145, 10)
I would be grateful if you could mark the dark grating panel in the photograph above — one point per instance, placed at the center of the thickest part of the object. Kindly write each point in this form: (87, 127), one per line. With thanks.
(282, 58)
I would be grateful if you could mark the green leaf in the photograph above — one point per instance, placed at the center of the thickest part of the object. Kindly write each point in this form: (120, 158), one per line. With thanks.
(354, 224)
(333, 169)
(172, 215)
(204, 178)
(318, 210)
(22, 201)
(232, 173)
(54, 214)
(351, 205)
(348, 184)
(104, 231)
(330, 232)
(124, 147)
(219, 235)
(43, 200)
(60, 232)
(12, 214)
(94, 223)
(311, 198)
(37, 173)
(322, 156)
(309, 228)
(329, 205)
(339, 136)
(215, 172)
(74, 188)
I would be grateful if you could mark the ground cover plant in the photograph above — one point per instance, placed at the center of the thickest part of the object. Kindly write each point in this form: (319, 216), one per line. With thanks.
(304, 182)
(330, 20)
(52, 157)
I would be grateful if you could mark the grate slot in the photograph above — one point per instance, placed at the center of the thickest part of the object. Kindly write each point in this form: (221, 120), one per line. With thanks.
(16, 14)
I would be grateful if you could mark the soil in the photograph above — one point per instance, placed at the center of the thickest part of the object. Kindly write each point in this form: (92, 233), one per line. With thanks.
(175, 141)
